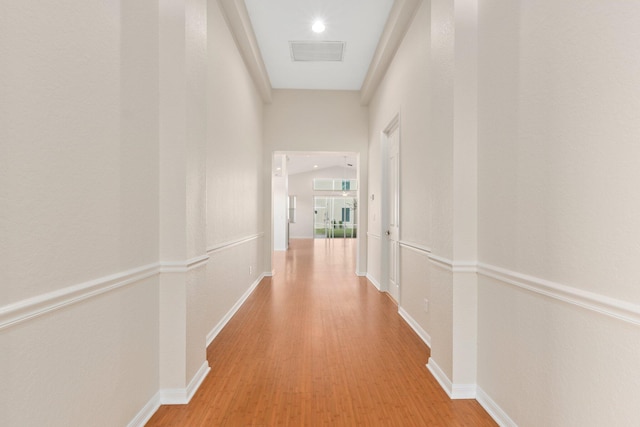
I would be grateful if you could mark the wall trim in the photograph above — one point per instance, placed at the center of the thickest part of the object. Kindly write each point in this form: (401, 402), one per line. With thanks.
(183, 266)
(424, 336)
(496, 412)
(182, 396)
(374, 235)
(454, 391)
(231, 243)
(440, 376)
(227, 317)
(374, 282)
(612, 307)
(30, 308)
(361, 273)
(415, 247)
(146, 412)
(442, 262)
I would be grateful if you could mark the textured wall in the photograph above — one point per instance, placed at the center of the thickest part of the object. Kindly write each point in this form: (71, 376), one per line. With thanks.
(558, 173)
(78, 204)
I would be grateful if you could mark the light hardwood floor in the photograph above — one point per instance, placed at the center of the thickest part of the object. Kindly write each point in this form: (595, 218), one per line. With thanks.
(316, 345)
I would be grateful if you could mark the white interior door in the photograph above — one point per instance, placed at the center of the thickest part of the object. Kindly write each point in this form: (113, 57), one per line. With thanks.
(393, 233)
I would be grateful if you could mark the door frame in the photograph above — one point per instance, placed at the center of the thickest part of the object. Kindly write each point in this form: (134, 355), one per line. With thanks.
(392, 126)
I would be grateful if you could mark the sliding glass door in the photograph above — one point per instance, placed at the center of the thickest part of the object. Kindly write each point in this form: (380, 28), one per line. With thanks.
(334, 217)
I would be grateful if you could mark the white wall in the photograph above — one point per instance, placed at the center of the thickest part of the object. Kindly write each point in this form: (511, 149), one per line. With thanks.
(319, 121)
(301, 186)
(79, 211)
(130, 202)
(544, 185)
(234, 230)
(559, 96)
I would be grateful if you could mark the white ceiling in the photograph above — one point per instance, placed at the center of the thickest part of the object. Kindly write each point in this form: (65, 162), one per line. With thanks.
(308, 162)
(359, 23)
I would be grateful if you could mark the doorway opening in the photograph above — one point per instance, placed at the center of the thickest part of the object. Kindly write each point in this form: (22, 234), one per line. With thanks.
(335, 217)
(315, 195)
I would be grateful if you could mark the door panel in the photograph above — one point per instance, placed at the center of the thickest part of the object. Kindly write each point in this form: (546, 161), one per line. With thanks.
(393, 232)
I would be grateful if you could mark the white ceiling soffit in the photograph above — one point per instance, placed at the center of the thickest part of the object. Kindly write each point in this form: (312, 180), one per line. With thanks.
(399, 19)
(358, 23)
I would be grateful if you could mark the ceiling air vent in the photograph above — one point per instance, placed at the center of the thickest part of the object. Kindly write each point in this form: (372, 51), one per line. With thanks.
(316, 51)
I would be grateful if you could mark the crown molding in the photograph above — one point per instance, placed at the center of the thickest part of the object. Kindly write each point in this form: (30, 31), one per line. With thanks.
(237, 18)
(400, 17)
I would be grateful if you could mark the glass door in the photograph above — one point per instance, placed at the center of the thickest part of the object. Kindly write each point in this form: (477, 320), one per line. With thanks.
(334, 217)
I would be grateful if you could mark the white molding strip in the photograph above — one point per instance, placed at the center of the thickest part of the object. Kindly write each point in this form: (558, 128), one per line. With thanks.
(184, 266)
(445, 263)
(232, 243)
(374, 235)
(361, 273)
(454, 266)
(424, 336)
(42, 304)
(146, 412)
(618, 309)
(227, 317)
(496, 412)
(374, 281)
(415, 247)
(454, 391)
(463, 391)
(440, 376)
(182, 396)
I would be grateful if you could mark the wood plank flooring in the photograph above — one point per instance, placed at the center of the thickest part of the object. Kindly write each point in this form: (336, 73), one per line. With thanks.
(316, 345)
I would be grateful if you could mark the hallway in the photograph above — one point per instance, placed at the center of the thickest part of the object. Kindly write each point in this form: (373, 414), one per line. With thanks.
(317, 345)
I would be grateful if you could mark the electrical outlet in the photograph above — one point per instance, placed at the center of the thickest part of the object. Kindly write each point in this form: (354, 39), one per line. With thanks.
(426, 305)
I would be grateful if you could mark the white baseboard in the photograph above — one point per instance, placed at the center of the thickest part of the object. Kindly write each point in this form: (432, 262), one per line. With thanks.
(373, 281)
(146, 412)
(424, 336)
(182, 396)
(361, 274)
(496, 412)
(216, 329)
(454, 391)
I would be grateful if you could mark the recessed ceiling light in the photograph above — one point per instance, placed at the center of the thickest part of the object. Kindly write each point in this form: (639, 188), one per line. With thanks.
(315, 166)
(318, 26)
(278, 169)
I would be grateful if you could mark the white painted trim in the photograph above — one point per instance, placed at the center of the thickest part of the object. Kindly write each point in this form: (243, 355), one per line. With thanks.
(146, 412)
(442, 262)
(454, 391)
(183, 266)
(618, 309)
(227, 317)
(373, 281)
(30, 308)
(374, 235)
(424, 336)
(232, 243)
(361, 273)
(182, 396)
(268, 274)
(454, 266)
(496, 412)
(415, 247)
(440, 376)
(463, 391)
